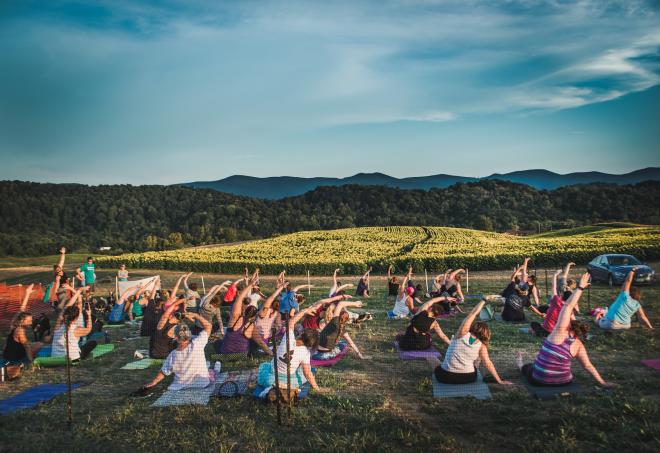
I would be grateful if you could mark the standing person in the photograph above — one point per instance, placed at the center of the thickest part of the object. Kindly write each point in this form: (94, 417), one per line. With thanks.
(469, 344)
(618, 315)
(187, 362)
(122, 273)
(18, 348)
(86, 274)
(363, 285)
(552, 366)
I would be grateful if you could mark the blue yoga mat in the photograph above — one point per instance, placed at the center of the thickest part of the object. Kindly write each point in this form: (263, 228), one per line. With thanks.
(33, 396)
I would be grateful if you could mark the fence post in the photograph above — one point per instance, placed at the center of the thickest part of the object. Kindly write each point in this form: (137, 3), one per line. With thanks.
(467, 280)
(546, 282)
(276, 374)
(288, 365)
(69, 422)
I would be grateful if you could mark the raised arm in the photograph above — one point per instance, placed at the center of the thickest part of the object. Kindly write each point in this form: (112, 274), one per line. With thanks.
(467, 322)
(389, 273)
(515, 273)
(237, 307)
(366, 274)
(84, 331)
(404, 283)
(567, 270)
(299, 287)
(280, 278)
(60, 263)
(269, 302)
(628, 281)
(176, 288)
(26, 297)
(343, 287)
(563, 321)
(455, 273)
(194, 317)
(554, 282)
(429, 303)
(334, 278)
(168, 312)
(345, 303)
(524, 269)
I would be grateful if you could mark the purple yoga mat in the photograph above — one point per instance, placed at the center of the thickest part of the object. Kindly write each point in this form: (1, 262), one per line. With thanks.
(332, 361)
(417, 355)
(652, 363)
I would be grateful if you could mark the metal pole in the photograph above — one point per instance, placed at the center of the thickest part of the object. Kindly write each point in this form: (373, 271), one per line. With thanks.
(69, 422)
(288, 365)
(426, 277)
(309, 282)
(203, 286)
(277, 377)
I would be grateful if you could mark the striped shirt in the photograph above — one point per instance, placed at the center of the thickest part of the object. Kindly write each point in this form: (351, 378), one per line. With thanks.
(553, 363)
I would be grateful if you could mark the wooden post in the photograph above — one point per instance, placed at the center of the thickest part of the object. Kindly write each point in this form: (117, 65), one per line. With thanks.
(69, 421)
(426, 278)
(288, 365)
(278, 392)
(203, 287)
(546, 282)
(467, 280)
(309, 282)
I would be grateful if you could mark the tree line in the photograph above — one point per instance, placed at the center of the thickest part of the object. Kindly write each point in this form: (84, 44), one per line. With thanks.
(38, 218)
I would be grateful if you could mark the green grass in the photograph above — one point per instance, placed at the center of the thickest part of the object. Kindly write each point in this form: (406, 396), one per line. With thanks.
(382, 404)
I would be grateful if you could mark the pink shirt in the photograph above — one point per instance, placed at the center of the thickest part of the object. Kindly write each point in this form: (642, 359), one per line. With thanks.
(552, 314)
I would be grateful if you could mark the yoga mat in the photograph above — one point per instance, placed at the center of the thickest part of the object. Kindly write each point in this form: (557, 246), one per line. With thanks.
(99, 336)
(33, 396)
(102, 349)
(333, 361)
(234, 383)
(182, 397)
(391, 315)
(50, 362)
(417, 355)
(45, 351)
(142, 364)
(498, 317)
(113, 326)
(548, 393)
(652, 363)
(304, 391)
(478, 389)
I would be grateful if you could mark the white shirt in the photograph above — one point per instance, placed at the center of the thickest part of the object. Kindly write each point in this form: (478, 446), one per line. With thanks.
(298, 355)
(254, 299)
(400, 307)
(188, 365)
(461, 355)
(59, 343)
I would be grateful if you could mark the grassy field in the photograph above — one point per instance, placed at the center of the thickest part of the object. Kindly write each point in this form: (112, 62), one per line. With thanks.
(48, 260)
(380, 404)
(354, 249)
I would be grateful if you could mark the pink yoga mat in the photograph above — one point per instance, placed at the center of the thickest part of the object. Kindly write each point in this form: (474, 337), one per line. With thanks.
(332, 361)
(652, 363)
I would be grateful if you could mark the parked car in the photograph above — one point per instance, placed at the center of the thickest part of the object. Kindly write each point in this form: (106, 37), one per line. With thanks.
(613, 269)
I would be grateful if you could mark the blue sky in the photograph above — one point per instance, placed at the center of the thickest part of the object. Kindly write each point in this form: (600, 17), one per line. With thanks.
(162, 92)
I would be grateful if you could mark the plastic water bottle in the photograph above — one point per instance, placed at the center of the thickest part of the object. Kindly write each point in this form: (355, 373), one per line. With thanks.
(218, 366)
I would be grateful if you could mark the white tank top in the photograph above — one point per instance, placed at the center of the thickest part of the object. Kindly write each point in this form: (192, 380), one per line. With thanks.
(400, 307)
(461, 355)
(59, 343)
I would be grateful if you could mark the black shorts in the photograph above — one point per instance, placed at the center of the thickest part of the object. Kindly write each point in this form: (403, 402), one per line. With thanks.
(447, 377)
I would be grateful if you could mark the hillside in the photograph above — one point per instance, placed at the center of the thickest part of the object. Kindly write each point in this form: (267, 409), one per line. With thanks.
(278, 187)
(38, 218)
(433, 248)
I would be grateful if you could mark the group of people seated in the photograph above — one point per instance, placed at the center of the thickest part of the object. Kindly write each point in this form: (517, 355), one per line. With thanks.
(180, 326)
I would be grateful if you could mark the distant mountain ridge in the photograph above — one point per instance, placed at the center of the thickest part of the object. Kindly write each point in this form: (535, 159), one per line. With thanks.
(277, 187)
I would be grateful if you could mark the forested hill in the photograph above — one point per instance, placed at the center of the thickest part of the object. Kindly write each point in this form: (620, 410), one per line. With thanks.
(37, 218)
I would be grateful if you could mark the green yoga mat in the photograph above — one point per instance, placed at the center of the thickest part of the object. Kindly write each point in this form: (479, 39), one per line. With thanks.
(50, 361)
(102, 349)
(113, 326)
(142, 364)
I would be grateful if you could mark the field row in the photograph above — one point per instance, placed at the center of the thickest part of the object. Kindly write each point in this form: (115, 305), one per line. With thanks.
(434, 248)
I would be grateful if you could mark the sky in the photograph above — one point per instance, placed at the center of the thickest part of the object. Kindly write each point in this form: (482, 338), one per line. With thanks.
(142, 92)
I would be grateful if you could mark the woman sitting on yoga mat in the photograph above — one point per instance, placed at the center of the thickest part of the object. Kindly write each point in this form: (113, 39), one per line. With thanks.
(418, 333)
(363, 285)
(469, 344)
(210, 309)
(552, 366)
(552, 313)
(18, 348)
(337, 288)
(122, 306)
(404, 305)
(151, 313)
(269, 315)
(517, 297)
(161, 343)
(296, 358)
(392, 283)
(241, 330)
(187, 361)
(67, 321)
(618, 315)
(335, 330)
(141, 300)
(452, 285)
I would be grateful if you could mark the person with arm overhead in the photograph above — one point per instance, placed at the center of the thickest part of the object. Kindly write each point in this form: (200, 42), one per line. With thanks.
(67, 321)
(18, 348)
(363, 285)
(469, 344)
(404, 304)
(335, 330)
(552, 366)
(418, 334)
(619, 314)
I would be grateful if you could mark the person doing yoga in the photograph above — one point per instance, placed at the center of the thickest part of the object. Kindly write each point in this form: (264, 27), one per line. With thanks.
(469, 344)
(552, 366)
(363, 285)
(187, 362)
(67, 322)
(404, 305)
(18, 348)
(618, 315)
(552, 313)
(517, 297)
(336, 329)
(418, 334)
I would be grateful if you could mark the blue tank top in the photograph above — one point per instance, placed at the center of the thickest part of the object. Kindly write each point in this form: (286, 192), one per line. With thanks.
(117, 313)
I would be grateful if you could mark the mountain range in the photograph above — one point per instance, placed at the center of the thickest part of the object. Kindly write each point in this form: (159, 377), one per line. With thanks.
(277, 187)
